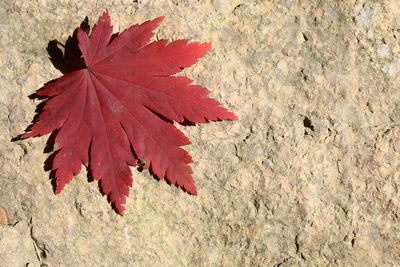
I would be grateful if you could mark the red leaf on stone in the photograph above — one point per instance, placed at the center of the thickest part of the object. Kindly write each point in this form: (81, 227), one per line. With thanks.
(117, 106)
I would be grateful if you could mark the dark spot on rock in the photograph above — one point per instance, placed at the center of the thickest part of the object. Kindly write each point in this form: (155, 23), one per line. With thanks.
(308, 125)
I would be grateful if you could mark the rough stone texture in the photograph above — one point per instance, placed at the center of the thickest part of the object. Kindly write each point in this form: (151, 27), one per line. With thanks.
(308, 176)
(17, 248)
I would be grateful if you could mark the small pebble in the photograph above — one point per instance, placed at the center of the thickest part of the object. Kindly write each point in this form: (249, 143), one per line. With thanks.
(3, 217)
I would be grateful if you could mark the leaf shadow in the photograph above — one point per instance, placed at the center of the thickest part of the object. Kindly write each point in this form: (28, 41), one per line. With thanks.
(71, 60)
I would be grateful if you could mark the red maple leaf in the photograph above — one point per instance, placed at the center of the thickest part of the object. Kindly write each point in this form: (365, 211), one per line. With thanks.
(116, 103)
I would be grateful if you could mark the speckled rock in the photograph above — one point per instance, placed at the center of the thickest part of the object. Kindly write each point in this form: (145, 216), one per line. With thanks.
(308, 176)
(17, 247)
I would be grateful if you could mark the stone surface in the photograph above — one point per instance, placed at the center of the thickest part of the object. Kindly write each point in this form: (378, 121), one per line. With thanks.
(17, 246)
(308, 176)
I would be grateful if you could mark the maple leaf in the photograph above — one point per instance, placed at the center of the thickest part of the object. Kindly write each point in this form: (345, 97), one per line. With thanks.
(115, 104)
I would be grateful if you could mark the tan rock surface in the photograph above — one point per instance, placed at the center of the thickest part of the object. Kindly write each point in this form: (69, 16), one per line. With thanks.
(308, 176)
